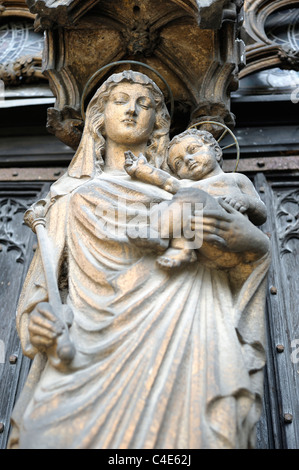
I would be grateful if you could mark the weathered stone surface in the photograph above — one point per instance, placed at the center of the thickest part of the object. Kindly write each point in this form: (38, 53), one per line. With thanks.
(167, 333)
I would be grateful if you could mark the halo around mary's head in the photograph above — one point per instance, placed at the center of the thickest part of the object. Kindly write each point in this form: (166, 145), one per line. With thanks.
(90, 155)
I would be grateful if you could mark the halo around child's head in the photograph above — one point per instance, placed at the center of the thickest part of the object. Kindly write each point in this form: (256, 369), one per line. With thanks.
(194, 126)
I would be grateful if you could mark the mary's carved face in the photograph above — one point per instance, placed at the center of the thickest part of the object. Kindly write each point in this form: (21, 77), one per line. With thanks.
(129, 115)
(128, 109)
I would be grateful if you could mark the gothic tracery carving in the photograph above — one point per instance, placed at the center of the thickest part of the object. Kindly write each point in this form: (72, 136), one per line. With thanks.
(20, 53)
(288, 216)
(8, 209)
(267, 44)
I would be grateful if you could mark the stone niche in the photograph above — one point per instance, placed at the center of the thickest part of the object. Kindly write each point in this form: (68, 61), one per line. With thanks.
(193, 45)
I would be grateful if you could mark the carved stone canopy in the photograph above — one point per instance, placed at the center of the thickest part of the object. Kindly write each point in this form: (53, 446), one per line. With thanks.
(208, 13)
(194, 45)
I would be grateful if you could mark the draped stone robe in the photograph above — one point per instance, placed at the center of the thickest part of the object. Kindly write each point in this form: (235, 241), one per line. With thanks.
(164, 359)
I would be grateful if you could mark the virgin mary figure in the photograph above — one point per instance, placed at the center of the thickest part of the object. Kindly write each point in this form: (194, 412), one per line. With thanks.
(163, 359)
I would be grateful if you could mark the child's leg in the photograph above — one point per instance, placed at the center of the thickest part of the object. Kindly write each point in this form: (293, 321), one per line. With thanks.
(149, 240)
(182, 250)
(177, 255)
(148, 236)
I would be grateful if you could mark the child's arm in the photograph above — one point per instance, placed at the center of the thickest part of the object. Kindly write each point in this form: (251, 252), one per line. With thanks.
(144, 171)
(253, 205)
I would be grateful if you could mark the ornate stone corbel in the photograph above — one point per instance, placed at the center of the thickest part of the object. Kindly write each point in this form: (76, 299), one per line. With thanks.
(210, 13)
(233, 12)
(49, 11)
(66, 124)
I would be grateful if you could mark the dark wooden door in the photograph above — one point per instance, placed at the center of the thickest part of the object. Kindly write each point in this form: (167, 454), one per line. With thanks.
(279, 426)
(17, 244)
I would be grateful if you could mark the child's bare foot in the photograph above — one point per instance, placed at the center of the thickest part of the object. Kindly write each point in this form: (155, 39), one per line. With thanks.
(176, 257)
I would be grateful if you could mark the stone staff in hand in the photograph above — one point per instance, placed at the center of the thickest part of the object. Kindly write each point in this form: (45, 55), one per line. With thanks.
(65, 350)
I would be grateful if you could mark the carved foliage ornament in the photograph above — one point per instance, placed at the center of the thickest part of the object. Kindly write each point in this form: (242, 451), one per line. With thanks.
(20, 53)
(288, 216)
(290, 57)
(141, 38)
(24, 70)
(8, 209)
(282, 27)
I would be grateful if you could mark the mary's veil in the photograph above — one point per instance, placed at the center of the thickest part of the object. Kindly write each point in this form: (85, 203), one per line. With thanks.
(83, 165)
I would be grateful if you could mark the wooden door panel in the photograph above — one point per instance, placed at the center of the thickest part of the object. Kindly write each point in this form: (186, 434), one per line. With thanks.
(16, 249)
(279, 426)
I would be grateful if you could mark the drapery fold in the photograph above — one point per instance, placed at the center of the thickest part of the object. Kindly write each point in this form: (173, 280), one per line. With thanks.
(164, 360)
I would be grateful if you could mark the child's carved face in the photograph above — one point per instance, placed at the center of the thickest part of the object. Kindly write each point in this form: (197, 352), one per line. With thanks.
(192, 158)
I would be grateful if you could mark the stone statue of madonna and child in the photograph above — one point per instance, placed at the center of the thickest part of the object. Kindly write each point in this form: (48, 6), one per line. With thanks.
(168, 340)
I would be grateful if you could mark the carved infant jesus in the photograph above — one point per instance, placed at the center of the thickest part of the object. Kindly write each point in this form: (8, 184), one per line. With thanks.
(195, 157)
